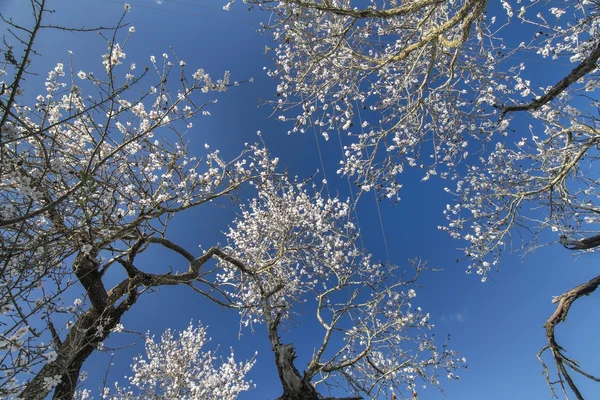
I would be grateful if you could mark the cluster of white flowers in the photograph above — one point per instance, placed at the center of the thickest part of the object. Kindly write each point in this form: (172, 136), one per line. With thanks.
(288, 237)
(177, 367)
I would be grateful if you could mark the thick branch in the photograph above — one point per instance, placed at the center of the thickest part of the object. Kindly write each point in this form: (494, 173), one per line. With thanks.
(587, 65)
(142, 279)
(91, 329)
(405, 9)
(565, 301)
(584, 244)
(173, 246)
(86, 270)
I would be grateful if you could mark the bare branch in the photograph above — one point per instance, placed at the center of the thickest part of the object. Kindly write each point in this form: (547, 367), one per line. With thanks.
(563, 363)
(584, 244)
(588, 65)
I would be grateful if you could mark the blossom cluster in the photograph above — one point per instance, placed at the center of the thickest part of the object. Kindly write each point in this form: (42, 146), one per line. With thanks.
(177, 367)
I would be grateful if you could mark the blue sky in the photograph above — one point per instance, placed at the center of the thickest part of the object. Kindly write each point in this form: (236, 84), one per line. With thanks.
(497, 326)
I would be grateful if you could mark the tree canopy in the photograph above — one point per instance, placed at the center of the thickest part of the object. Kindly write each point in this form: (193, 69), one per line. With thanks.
(440, 86)
(95, 166)
(91, 182)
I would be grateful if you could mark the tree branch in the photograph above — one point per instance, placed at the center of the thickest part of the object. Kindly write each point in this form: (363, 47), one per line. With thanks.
(565, 301)
(584, 244)
(24, 62)
(586, 66)
(404, 9)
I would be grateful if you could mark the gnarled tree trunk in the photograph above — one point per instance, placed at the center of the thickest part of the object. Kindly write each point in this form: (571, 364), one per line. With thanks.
(295, 386)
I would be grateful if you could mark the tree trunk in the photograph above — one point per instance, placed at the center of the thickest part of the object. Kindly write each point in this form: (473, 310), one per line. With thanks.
(294, 386)
(79, 344)
(72, 351)
(68, 381)
(93, 327)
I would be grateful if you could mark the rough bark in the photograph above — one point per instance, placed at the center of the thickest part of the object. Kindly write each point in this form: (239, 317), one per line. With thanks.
(95, 325)
(295, 386)
(564, 363)
(86, 270)
(72, 349)
(91, 328)
(66, 388)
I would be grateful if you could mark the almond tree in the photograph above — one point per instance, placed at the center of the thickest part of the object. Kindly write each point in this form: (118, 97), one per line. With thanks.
(424, 83)
(88, 184)
(291, 248)
(177, 368)
(92, 173)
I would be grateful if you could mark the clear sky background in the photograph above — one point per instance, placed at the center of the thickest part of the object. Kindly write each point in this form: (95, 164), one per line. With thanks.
(497, 326)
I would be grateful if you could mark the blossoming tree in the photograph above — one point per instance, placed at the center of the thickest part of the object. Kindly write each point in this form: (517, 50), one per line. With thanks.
(425, 83)
(88, 184)
(177, 368)
(91, 182)
(292, 248)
